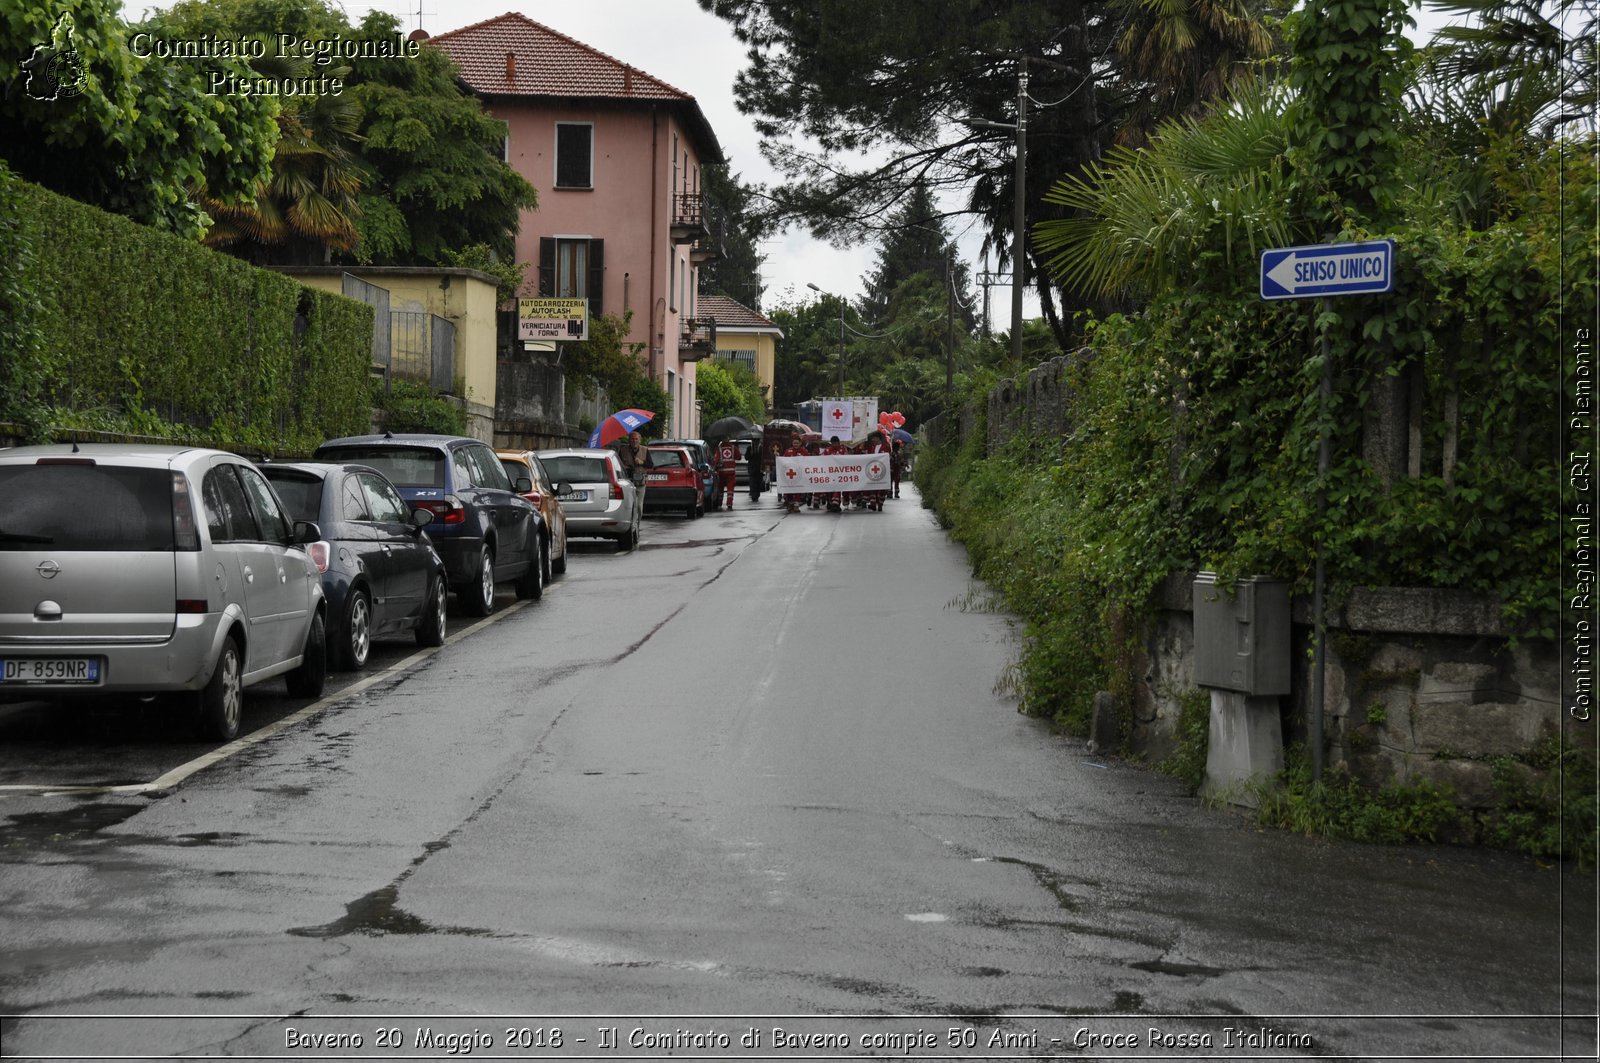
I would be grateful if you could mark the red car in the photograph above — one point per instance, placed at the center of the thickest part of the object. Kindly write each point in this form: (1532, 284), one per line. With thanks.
(672, 483)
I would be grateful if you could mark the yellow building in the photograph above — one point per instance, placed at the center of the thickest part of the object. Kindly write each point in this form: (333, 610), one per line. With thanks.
(744, 336)
(441, 327)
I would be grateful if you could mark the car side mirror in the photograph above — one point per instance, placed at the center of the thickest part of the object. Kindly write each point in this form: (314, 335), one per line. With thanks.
(306, 532)
(522, 485)
(421, 517)
(563, 488)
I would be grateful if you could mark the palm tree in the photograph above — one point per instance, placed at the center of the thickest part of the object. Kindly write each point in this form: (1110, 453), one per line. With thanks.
(1530, 62)
(306, 210)
(1142, 218)
(1180, 56)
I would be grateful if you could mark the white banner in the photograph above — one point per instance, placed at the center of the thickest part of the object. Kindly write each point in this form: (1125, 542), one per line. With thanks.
(833, 472)
(838, 418)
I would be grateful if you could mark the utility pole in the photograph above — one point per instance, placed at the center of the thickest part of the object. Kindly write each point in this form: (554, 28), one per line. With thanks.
(1019, 214)
(1019, 211)
(950, 321)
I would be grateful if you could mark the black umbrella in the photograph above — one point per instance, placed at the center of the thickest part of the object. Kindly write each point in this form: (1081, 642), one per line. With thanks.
(724, 427)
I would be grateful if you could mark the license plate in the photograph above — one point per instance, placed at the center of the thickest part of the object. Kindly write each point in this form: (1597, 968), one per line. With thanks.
(573, 496)
(24, 670)
(655, 477)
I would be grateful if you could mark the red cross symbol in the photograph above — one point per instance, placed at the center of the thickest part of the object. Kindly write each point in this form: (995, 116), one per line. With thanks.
(790, 473)
(875, 469)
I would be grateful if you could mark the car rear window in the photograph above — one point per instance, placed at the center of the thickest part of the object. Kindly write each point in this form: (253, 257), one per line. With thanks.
(301, 492)
(404, 466)
(576, 468)
(666, 459)
(85, 507)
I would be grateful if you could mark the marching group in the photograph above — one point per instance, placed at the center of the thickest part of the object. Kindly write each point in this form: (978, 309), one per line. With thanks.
(728, 454)
(875, 443)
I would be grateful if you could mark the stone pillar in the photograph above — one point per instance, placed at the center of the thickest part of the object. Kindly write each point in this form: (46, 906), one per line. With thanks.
(1246, 746)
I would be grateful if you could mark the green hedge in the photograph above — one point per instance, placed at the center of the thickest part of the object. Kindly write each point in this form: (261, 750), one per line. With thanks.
(139, 331)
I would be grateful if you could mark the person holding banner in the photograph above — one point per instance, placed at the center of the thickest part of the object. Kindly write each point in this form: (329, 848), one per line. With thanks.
(876, 445)
(835, 500)
(792, 500)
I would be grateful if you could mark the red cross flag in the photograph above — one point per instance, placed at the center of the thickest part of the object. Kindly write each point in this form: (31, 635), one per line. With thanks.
(838, 419)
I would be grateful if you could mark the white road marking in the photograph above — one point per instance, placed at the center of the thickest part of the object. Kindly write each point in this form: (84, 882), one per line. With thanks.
(239, 745)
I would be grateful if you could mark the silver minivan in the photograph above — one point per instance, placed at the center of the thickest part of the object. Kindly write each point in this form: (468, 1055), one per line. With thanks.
(596, 495)
(136, 570)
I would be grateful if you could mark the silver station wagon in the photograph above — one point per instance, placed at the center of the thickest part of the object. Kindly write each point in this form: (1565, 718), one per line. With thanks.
(128, 570)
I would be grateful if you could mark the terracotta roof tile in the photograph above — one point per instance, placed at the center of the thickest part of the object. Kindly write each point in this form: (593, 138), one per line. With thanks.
(732, 314)
(513, 55)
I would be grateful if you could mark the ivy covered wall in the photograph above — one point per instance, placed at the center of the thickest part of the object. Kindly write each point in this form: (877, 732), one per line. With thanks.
(114, 326)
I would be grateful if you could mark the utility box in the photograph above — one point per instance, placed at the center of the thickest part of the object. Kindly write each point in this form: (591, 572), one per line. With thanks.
(1242, 643)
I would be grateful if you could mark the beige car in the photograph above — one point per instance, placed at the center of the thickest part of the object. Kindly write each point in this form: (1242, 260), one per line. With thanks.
(523, 465)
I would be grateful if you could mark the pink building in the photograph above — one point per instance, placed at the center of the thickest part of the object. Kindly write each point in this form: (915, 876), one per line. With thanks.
(615, 155)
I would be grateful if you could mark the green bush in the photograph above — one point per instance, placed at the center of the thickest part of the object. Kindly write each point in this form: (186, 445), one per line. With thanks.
(1548, 811)
(1339, 807)
(140, 331)
(412, 406)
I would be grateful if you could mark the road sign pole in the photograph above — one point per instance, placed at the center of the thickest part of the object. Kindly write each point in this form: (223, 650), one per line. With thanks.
(1320, 663)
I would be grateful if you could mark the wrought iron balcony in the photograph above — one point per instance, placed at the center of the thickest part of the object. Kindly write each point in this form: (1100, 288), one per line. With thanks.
(688, 218)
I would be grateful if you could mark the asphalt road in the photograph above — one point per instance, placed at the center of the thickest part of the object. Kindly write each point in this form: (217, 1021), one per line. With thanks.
(751, 781)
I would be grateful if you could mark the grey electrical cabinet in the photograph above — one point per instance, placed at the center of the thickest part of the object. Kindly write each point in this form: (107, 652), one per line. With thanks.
(1242, 643)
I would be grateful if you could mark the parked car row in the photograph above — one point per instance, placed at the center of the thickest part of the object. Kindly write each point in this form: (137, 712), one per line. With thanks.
(190, 574)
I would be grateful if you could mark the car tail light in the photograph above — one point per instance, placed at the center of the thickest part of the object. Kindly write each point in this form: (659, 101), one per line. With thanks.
(319, 553)
(193, 605)
(616, 488)
(448, 509)
(184, 534)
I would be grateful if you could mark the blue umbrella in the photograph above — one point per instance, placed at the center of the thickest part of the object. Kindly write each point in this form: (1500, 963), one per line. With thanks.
(902, 436)
(618, 425)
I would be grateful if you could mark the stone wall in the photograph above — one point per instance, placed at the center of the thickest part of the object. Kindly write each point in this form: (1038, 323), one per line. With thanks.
(1037, 404)
(534, 408)
(1421, 684)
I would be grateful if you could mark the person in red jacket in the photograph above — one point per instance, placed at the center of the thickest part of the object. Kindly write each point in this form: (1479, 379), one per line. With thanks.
(727, 468)
(835, 500)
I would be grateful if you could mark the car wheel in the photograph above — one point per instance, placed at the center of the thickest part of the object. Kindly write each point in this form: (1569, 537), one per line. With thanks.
(431, 631)
(306, 681)
(633, 538)
(220, 703)
(558, 565)
(531, 584)
(547, 563)
(355, 642)
(478, 600)
(692, 512)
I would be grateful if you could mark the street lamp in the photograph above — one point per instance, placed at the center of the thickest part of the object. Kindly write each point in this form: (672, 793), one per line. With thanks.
(819, 291)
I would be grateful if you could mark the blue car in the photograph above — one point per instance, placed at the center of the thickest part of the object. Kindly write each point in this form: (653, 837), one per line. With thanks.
(381, 575)
(484, 530)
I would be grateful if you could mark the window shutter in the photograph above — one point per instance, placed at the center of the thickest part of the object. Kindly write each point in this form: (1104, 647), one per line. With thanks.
(597, 277)
(547, 267)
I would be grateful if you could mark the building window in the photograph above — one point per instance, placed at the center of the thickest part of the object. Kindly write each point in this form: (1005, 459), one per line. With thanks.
(505, 142)
(737, 357)
(572, 267)
(574, 155)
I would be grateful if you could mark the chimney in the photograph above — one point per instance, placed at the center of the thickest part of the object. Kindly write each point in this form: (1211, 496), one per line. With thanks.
(511, 67)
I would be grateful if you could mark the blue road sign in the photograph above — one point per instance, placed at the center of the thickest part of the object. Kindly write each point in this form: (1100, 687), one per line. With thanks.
(1312, 272)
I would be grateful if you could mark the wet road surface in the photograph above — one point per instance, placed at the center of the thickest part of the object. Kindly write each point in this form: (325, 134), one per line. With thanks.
(756, 769)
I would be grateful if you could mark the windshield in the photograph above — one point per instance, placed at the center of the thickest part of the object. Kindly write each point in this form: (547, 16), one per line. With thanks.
(575, 468)
(86, 507)
(301, 492)
(404, 466)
